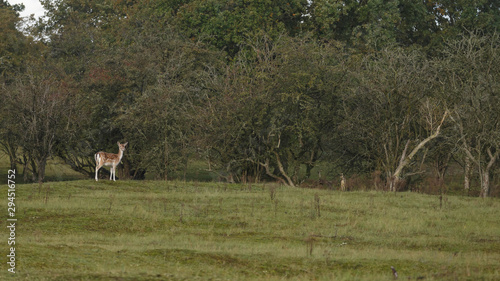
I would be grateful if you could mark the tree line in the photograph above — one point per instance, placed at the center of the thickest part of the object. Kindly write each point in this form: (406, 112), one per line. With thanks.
(260, 90)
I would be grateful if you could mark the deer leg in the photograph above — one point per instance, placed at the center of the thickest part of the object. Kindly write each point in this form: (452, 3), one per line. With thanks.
(114, 172)
(97, 172)
(98, 165)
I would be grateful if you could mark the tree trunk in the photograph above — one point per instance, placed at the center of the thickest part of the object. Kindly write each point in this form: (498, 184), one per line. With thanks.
(394, 183)
(396, 176)
(287, 180)
(283, 172)
(126, 169)
(309, 168)
(467, 173)
(442, 167)
(41, 169)
(13, 162)
(485, 184)
(34, 170)
(11, 148)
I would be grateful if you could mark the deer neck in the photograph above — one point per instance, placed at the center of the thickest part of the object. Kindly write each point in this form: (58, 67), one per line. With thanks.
(120, 155)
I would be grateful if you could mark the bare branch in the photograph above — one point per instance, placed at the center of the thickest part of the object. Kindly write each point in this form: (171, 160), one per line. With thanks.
(405, 160)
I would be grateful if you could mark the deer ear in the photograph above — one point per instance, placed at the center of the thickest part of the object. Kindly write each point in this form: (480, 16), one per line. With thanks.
(118, 142)
(125, 144)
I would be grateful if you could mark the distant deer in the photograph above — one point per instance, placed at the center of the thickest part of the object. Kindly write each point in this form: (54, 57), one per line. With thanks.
(342, 182)
(109, 159)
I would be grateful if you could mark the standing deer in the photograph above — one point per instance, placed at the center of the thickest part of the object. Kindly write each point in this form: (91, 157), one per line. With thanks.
(342, 182)
(109, 159)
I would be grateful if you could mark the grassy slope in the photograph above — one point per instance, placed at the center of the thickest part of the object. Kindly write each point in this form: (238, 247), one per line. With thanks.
(152, 230)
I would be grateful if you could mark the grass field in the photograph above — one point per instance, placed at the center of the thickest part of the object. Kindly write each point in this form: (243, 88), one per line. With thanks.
(154, 230)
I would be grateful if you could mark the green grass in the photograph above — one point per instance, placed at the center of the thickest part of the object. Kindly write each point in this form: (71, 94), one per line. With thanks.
(154, 230)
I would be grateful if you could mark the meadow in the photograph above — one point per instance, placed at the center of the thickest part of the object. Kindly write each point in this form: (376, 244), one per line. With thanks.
(176, 230)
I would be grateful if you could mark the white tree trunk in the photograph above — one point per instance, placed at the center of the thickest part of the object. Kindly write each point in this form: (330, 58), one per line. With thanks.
(283, 172)
(485, 184)
(396, 177)
(467, 171)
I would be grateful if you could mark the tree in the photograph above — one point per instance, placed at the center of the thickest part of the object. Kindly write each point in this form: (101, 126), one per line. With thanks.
(13, 44)
(389, 109)
(269, 111)
(471, 70)
(457, 16)
(373, 25)
(41, 104)
(368, 25)
(113, 52)
(227, 24)
(163, 120)
(15, 49)
(74, 35)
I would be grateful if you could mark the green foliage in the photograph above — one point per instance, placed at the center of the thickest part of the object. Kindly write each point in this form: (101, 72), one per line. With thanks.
(260, 90)
(14, 46)
(471, 70)
(373, 25)
(368, 25)
(278, 100)
(227, 24)
(383, 106)
(458, 16)
(38, 106)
